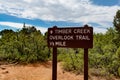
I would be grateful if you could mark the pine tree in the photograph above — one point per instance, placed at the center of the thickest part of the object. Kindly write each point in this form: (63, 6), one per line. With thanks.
(116, 21)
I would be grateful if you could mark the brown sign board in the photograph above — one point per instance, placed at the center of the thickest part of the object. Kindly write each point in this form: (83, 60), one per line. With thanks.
(70, 37)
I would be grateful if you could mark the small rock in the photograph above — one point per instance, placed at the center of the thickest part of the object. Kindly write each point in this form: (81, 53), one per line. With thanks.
(63, 72)
(5, 72)
(2, 68)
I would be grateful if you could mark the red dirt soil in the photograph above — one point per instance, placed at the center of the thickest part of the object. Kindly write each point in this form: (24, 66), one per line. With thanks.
(37, 71)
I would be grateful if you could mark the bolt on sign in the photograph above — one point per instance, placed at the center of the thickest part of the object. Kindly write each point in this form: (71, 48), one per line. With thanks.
(71, 37)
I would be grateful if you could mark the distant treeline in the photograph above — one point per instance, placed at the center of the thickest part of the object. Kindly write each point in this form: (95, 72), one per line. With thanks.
(24, 46)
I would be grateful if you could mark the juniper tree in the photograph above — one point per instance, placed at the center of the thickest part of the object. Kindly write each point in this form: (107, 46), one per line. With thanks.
(116, 23)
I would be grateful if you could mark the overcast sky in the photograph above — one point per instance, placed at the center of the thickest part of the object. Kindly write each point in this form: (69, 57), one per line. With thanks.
(63, 13)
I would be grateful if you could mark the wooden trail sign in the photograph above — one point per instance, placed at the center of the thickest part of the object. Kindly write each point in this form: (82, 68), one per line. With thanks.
(70, 37)
(75, 37)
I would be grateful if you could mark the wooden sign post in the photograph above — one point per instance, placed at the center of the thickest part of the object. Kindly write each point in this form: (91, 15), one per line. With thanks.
(54, 64)
(70, 37)
(85, 63)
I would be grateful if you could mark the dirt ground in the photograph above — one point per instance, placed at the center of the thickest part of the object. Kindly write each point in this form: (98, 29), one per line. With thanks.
(36, 72)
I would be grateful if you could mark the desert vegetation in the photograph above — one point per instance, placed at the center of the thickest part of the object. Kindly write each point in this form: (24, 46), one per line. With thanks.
(29, 45)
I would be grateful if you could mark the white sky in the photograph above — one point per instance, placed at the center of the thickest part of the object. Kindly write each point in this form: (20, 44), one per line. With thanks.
(83, 11)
